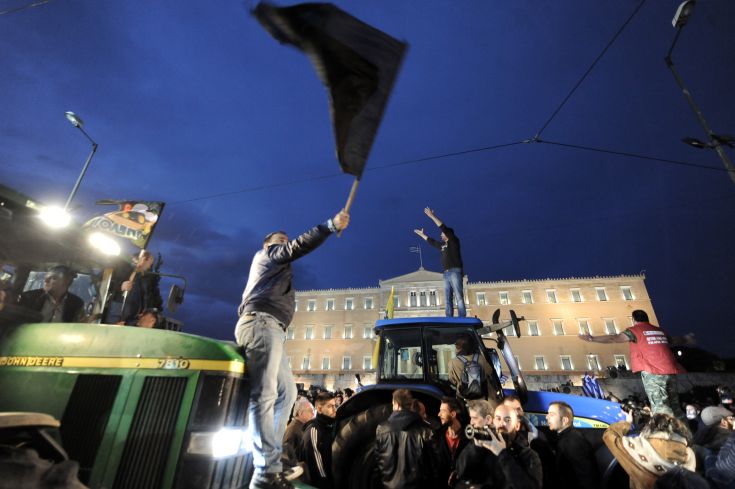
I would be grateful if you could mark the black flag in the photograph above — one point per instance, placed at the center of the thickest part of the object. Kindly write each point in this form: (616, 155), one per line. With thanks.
(357, 63)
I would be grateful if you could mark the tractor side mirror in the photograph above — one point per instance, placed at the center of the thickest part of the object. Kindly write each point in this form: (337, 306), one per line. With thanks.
(175, 298)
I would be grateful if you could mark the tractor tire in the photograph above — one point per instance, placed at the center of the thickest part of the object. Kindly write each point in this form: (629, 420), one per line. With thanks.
(353, 461)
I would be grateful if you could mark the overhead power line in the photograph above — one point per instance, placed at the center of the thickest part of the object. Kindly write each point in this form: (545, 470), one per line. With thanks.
(333, 175)
(633, 155)
(24, 7)
(594, 63)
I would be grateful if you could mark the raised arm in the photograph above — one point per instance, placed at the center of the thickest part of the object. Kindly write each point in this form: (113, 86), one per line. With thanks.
(432, 216)
(607, 338)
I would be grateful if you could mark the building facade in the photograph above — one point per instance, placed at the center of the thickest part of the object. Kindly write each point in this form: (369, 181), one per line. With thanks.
(331, 337)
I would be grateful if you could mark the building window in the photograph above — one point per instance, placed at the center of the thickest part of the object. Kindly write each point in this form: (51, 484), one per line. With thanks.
(540, 362)
(551, 296)
(396, 302)
(328, 332)
(367, 363)
(509, 331)
(593, 363)
(422, 298)
(368, 303)
(504, 298)
(601, 294)
(296, 306)
(367, 332)
(330, 305)
(309, 333)
(627, 293)
(306, 363)
(348, 332)
(584, 326)
(412, 299)
(346, 363)
(349, 304)
(576, 295)
(518, 362)
(620, 360)
(610, 327)
(325, 363)
(533, 328)
(527, 296)
(432, 298)
(481, 300)
(290, 334)
(558, 327)
(311, 305)
(566, 362)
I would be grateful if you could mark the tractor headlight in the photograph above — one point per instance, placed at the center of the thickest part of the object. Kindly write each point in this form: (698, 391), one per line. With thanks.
(227, 442)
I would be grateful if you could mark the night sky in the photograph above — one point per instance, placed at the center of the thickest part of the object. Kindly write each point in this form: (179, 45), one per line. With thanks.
(194, 104)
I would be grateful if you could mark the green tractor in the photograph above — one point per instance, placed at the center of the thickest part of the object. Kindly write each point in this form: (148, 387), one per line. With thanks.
(136, 408)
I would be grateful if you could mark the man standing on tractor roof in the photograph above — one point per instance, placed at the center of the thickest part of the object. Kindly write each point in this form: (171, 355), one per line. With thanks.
(451, 263)
(651, 356)
(268, 304)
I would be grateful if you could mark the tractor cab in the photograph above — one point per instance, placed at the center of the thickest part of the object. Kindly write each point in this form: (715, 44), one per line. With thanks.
(421, 351)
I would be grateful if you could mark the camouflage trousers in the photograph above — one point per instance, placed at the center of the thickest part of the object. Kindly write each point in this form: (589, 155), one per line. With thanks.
(661, 392)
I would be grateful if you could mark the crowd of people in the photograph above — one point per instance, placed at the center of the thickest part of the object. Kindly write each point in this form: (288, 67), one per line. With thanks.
(484, 444)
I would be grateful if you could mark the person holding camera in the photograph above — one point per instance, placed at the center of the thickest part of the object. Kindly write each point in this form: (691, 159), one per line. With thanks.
(514, 464)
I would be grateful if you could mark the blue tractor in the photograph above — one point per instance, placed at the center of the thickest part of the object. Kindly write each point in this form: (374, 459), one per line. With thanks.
(416, 353)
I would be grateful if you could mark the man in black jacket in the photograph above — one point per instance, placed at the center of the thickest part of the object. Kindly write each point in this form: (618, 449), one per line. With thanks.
(54, 301)
(403, 447)
(451, 263)
(266, 310)
(316, 445)
(451, 440)
(576, 467)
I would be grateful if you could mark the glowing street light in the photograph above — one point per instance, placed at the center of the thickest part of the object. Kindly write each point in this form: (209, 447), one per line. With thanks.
(714, 141)
(77, 122)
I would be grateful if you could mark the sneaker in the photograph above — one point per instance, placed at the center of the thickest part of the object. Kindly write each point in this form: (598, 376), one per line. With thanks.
(293, 473)
(270, 481)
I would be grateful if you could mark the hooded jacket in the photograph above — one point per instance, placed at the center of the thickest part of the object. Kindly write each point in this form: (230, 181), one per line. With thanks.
(645, 459)
(404, 451)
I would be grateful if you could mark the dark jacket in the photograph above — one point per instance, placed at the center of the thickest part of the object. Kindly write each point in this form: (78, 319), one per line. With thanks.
(451, 255)
(447, 460)
(34, 299)
(517, 467)
(316, 451)
(404, 453)
(576, 466)
(291, 441)
(269, 283)
(144, 294)
(720, 466)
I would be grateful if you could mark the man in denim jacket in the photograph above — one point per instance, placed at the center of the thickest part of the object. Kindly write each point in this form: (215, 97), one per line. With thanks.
(266, 310)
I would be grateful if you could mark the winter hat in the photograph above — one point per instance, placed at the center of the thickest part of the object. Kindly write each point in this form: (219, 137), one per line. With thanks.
(714, 414)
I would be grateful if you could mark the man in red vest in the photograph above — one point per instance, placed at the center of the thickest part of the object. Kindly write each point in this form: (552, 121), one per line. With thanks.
(651, 356)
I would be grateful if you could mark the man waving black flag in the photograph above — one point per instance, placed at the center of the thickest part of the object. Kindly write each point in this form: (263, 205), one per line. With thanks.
(357, 63)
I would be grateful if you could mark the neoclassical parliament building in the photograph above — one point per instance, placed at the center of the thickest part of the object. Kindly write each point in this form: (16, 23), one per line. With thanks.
(331, 337)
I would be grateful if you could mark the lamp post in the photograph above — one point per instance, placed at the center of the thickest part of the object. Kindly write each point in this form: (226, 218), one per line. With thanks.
(715, 140)
(78, 123)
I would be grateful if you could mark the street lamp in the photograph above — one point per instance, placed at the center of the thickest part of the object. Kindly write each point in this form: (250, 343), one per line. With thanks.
(77, 122)
(715, 141)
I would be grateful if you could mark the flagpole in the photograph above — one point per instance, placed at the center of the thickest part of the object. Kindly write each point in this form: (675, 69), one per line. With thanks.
(350, 199)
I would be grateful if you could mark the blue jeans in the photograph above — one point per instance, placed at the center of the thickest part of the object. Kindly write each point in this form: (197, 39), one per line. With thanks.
(453, 287)
(272, 387)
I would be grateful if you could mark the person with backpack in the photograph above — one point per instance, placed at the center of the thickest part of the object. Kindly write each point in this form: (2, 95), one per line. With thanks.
(469, 371)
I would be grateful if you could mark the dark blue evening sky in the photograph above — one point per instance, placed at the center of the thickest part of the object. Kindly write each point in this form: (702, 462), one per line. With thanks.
(194, 104)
